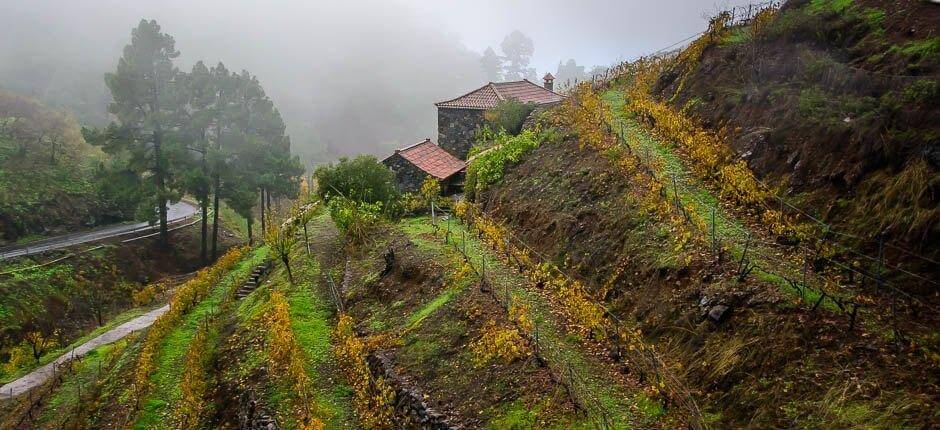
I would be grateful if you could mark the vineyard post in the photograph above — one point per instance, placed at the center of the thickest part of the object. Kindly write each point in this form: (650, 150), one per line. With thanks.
(714, 238)
(822, 296)
(675, 190)
(881, 257)
(852, 316)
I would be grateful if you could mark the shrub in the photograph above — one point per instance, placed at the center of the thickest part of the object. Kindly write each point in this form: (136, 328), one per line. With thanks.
(372, 397)
(498, 345)
(489, 167)
(287, 360)
(195, 383)
(508, 116)
(363, 179)
(355, 219)
(146, 295)
(431, 190)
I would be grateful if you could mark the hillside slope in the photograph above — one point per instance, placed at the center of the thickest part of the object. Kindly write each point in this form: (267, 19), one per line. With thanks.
(833, 103)
(48, 180)
(612, 206)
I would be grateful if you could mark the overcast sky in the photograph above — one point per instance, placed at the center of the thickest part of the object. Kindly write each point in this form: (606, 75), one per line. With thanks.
(593, 32)
(349, 76)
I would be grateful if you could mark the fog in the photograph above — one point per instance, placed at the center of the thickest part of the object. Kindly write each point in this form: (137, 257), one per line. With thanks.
(348, 77)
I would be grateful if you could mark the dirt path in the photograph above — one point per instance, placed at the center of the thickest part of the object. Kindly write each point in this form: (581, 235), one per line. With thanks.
(40, 375)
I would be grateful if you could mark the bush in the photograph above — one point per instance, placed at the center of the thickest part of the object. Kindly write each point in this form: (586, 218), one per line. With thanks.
(355, 219)
(362, 179)
(488, 168)
(508, 116)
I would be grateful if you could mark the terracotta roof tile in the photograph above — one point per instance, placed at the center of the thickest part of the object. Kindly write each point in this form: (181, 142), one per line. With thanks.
(432, 159)
(489, 95)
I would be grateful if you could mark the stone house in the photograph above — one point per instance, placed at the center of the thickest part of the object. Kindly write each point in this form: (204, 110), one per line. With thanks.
(414, 163)
(459, 119)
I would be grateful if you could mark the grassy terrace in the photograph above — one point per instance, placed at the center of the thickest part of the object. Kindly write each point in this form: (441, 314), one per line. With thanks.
(156, 409)
(311, 321)
(311, 316)
(591, 377)
(731, 232)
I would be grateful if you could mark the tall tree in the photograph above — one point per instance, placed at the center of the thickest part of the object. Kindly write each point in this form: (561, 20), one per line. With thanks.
(492, 65)
(147, 105)
(225, 85)
(256, 151)
(569, 73)
(518, 49)
(201, 97)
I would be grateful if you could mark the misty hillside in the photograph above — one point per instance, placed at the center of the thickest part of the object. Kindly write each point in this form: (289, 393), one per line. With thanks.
(737, 230)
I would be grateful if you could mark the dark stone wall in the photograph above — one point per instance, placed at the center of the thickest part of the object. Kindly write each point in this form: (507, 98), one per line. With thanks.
(408, 177)
(412, 410)
(456, 129)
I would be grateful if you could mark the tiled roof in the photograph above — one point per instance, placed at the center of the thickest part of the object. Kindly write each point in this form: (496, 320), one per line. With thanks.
(489, 95)
(432, 159)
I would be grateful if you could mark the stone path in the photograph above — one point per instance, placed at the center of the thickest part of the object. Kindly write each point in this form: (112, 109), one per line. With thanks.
(39, 376)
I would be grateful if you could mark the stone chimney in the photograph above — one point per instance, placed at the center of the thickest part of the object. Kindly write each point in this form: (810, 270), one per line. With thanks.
(549, 81)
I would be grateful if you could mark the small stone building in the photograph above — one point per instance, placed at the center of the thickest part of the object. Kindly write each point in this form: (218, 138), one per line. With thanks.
(414, 163)
(459, 119)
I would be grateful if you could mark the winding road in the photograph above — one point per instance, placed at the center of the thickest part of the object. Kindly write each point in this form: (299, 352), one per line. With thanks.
(40, 375)
(175, 212)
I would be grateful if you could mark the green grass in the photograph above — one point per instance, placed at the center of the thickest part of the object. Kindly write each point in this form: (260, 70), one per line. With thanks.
(694, 196)
(429, 308)
(310, 320)
(234, 222)
(829, 6)
(561, 350)
(924, 49)
(157, 408)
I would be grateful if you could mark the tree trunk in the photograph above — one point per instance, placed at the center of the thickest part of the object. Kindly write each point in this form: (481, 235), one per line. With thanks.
(215, 218)
(204, 202)
(251, 240)
(203, 243)
(306, 241)
(290, 275)
(262, 213)
(160, 177)
(217, 185)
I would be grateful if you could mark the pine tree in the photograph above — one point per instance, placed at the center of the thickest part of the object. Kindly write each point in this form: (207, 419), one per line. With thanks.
(492, 65)
(147, 104)
(201, 96)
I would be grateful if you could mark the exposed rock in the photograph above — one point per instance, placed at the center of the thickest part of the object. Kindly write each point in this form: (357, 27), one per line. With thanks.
(752, 142)
(410, 408)
(253, 417)
(718, 313)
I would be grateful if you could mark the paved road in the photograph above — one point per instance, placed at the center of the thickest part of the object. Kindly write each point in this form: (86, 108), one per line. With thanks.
(39, 376)
(175, 212)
